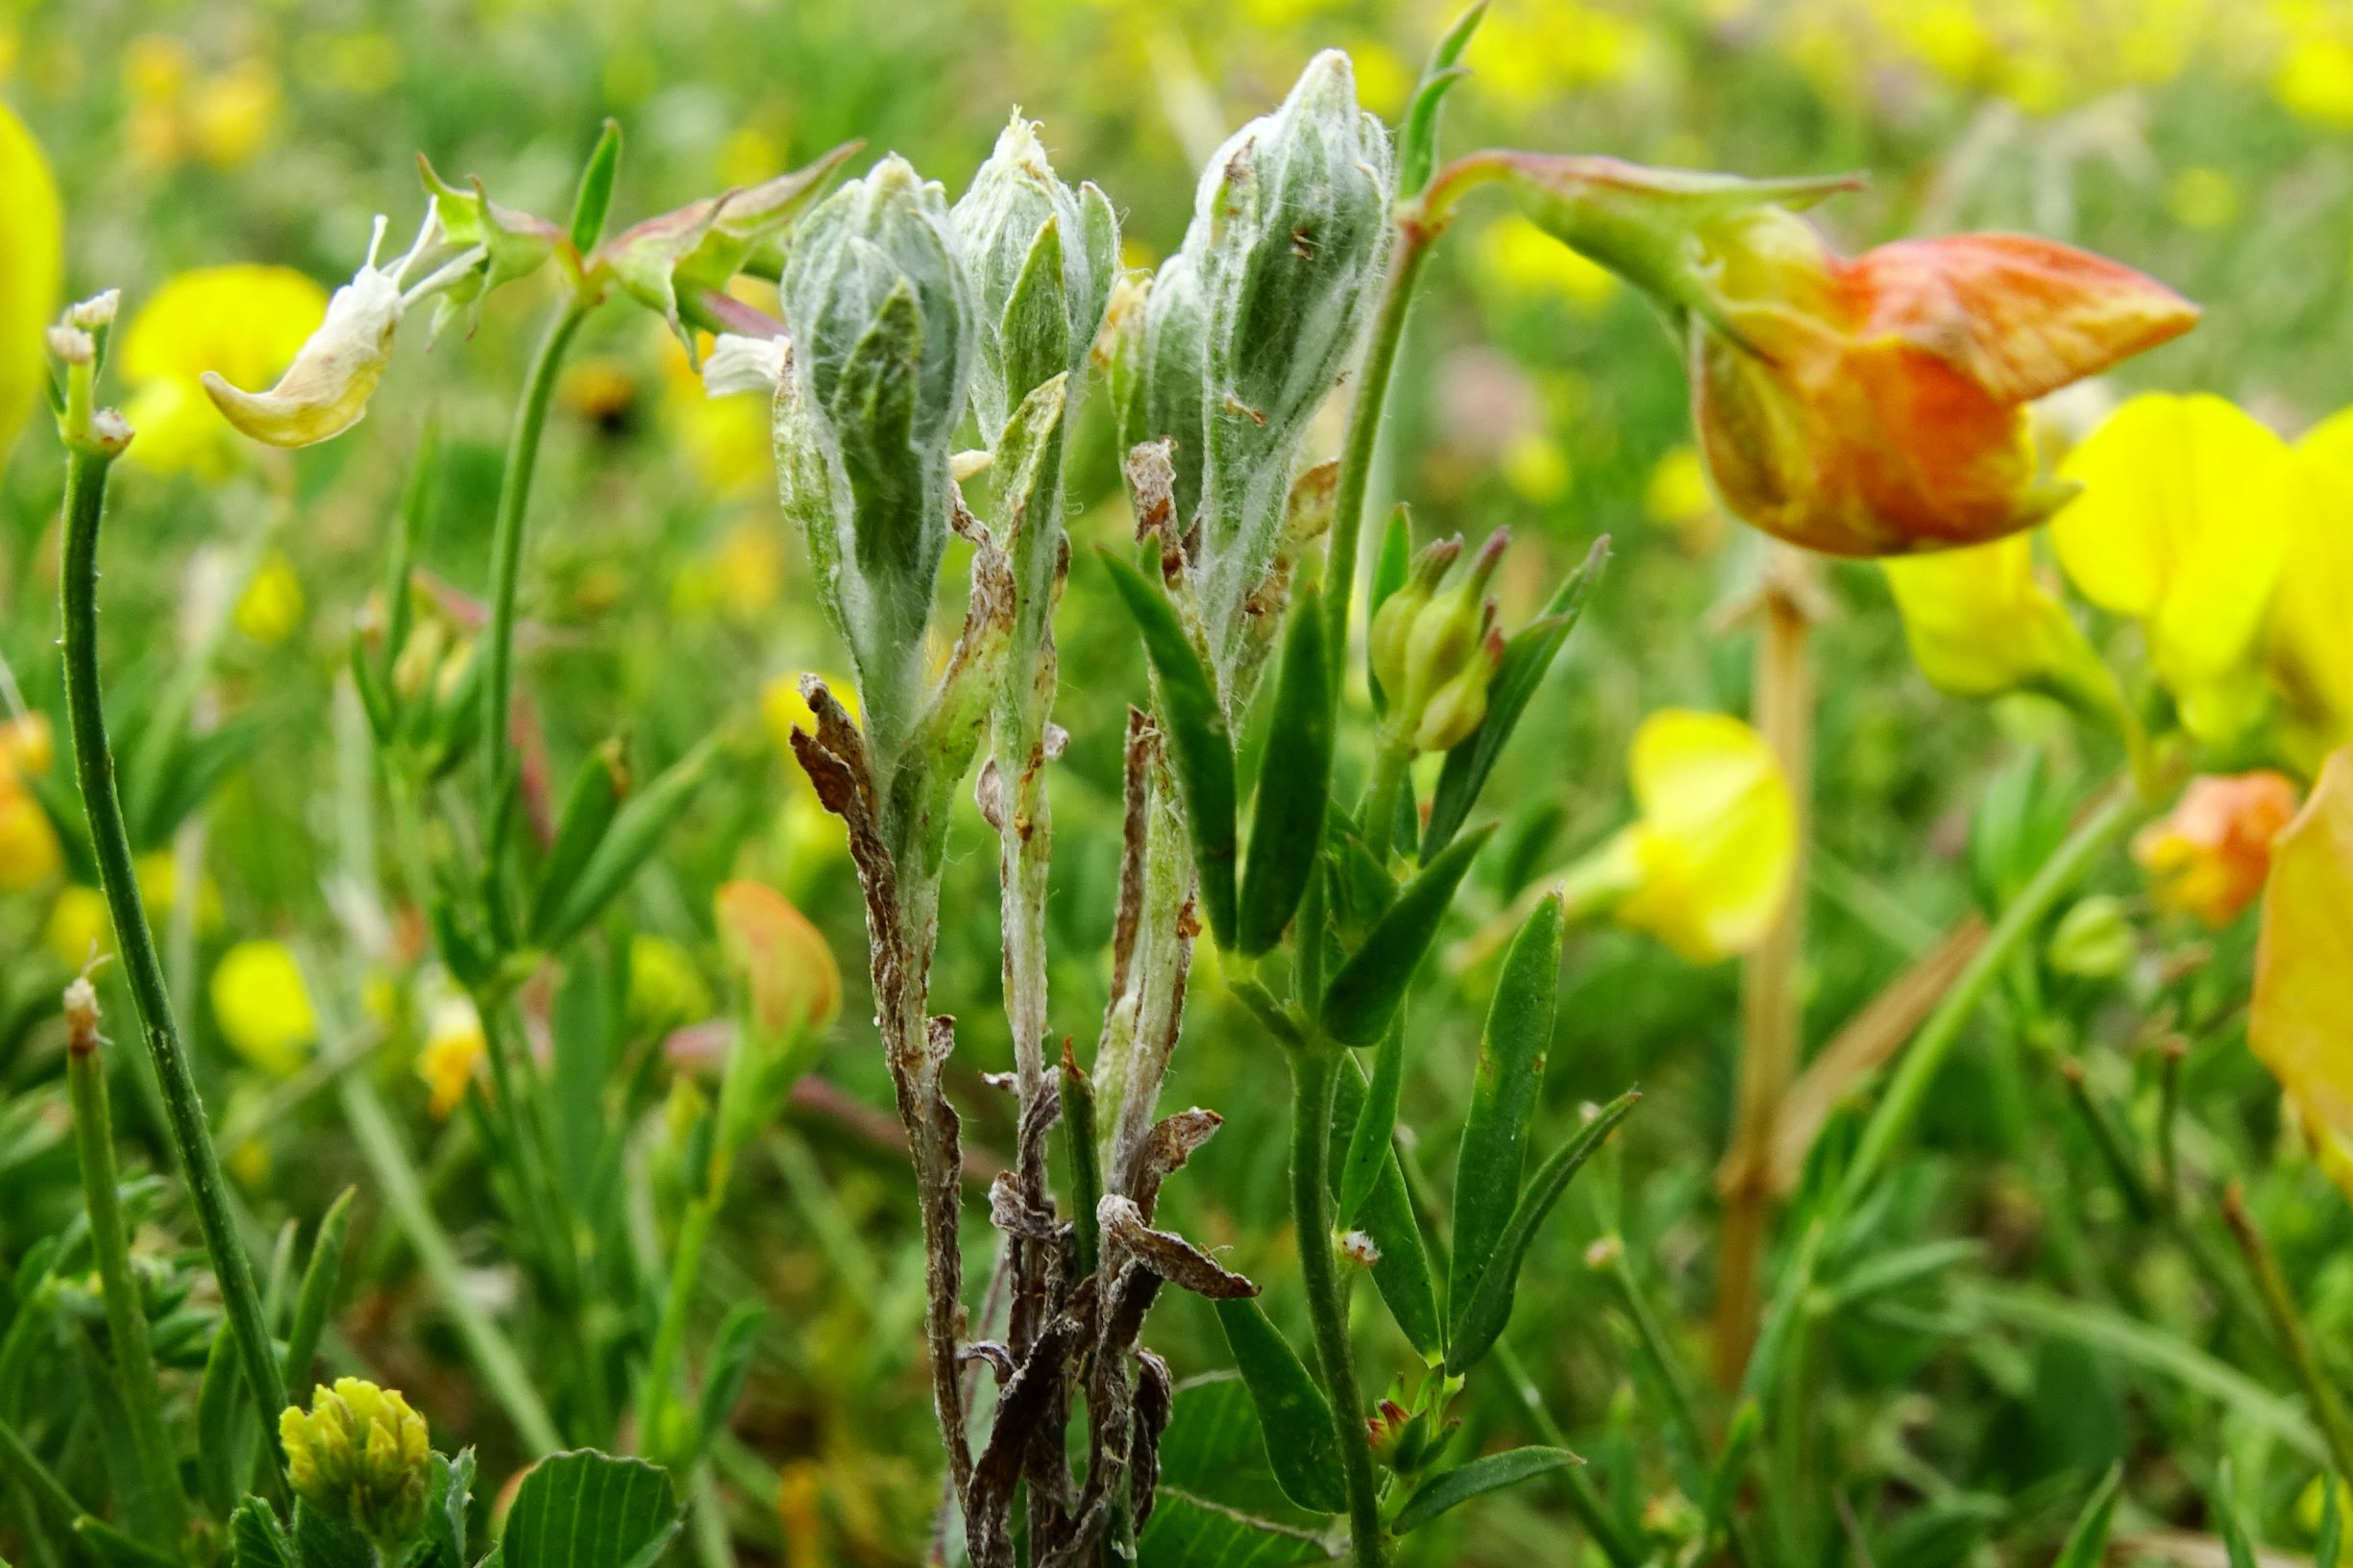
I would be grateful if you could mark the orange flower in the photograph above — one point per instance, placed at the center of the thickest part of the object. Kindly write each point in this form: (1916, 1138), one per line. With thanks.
(1868, 405)
(2210, 857)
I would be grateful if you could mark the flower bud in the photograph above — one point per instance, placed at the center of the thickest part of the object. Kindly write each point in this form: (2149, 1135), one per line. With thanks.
(326, 390)
(2093, 940)
(881, 317)
(1393, 623)
(1869, 406)
(1457, 708)
(1041, 259)
(1435, 655)
(2210, 856)
(360, 1455)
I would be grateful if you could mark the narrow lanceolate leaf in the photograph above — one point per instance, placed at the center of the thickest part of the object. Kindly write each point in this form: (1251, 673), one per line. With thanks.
(1503, 1098)
(2087, 1544)
(2330, 1543)
(598, 790)
(585, 1510)
(1417, 139)
(595, 193)
(1294, 1417)
(1724, 1484)
(317, 1296)
(1369, 988)
(1463, 1483)
(1526, 657)
(1198, 743)
(2232, 1528)
(1287, 829)
(637, 831)
(1368, 1146)
(1481, 1322)
(1402, 1271)
(728, 1369)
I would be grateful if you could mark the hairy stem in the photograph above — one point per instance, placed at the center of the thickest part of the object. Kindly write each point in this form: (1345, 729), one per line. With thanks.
(126, 1319)
(1314, 1076)
(86, 477)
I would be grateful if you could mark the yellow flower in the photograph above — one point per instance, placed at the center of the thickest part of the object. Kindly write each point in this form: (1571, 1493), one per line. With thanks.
(2181, 524)
(2316, 82)
(31, 262)
(29, 853)
(79, 928)
(27, 746)
(1527, 260)
(262, 1007)
(790, 979)
(245, 322)
(1534, 465)
(361, 1455)
(2302, 1016)
(453, 1050)
(1980, 622)
(1707, 863)
(2209, 857)
(666, 989)
(270, 607)
(2311, 633)
(232, 114)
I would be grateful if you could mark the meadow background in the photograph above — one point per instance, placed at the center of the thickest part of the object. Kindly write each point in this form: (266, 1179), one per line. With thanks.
(2210, 144)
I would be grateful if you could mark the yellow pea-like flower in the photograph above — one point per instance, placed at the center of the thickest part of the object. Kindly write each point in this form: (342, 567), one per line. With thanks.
(2311, 634)
(1707, 863)
(2181, 524)
(1980, 622)
(2302, 1013)
(245, 322)
(455, 1049)
(28, 852)
(262, 1006)
(32, 264)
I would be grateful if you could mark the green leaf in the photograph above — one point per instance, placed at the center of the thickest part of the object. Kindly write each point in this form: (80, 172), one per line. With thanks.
(1198, 743)
(1482, 1321)
(1079, 1149)
(1287, 829)
(598, 790)
(1724, 1484)
(1503, 1093)
(586, 1510)
(1218, 1504)
(1370, 987)
(727, 1368)
(448, 1497)
(317, 1297)
(256, 1538)
(116, 1550)
(2227, 1523)
(1034, 330)
(637, 831)
(1294, 1417)
(320, 1540)
(595, 199)
(1417, 137)
(1368, 1144)
(1441, 1492)
(2087, 1544)
(1402, 1271)
(224, 1429)
(2330, 1542)
(1526, 657)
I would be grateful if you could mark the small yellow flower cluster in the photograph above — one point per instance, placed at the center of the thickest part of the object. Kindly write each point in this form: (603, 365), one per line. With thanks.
(180, 113)
(361, 1455)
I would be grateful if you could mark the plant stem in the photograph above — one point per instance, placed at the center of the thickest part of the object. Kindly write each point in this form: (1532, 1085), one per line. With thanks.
(1391, 765)
(506, 571)
(1585, 1502)
(670, 1336)
(2279, 1302)
(126, 1319)
(1416, 234)
(1313, 1077)
(86, 477)
(1771, 1013)
(396, 1180)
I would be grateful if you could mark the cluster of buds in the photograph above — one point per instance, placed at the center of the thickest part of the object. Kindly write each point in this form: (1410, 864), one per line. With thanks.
(1435, 647)
(1246, 330)
(78, 342)
(883, 329)
(1406, 1441)
(360, 1455)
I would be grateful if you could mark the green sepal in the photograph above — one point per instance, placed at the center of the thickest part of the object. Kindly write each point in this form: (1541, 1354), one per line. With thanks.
(594, 199)
(1417, 136)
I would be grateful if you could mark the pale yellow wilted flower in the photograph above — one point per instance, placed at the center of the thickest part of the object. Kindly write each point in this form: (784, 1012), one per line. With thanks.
(2181, 525)
(326, 390)
(245, 321)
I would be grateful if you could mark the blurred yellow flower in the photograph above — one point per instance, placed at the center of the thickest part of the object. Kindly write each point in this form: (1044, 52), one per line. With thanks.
(2181, 525)
(741, 578)
(245, 322)
(1544, 51)
(1527, 260)
(270, 607)
(27, 747)
(262, 1007)
(728, 440)
(2316, 81)
(2203, 198)
(2209, 856)
(79, 928)
(453, 1050)
(1981, 622)
(1677, 495)
(2302, 1015)
(31, 264)
(2311, 633)
(230, 115)
(222, 118)
(29, 853)
(666, 990)
(1707, 863)
(1534, 465)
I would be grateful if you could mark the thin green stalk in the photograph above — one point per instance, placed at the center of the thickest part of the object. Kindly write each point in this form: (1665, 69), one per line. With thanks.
(506, 571)
(2287, 1323)
(48, 1494)
(1416, 234)
(85, 476)
(396, 1181)
(660, 1390)
(1391, 764)
(126, 1319)
(1613, 1541)
(2169, 1121)
(1313, 1077)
